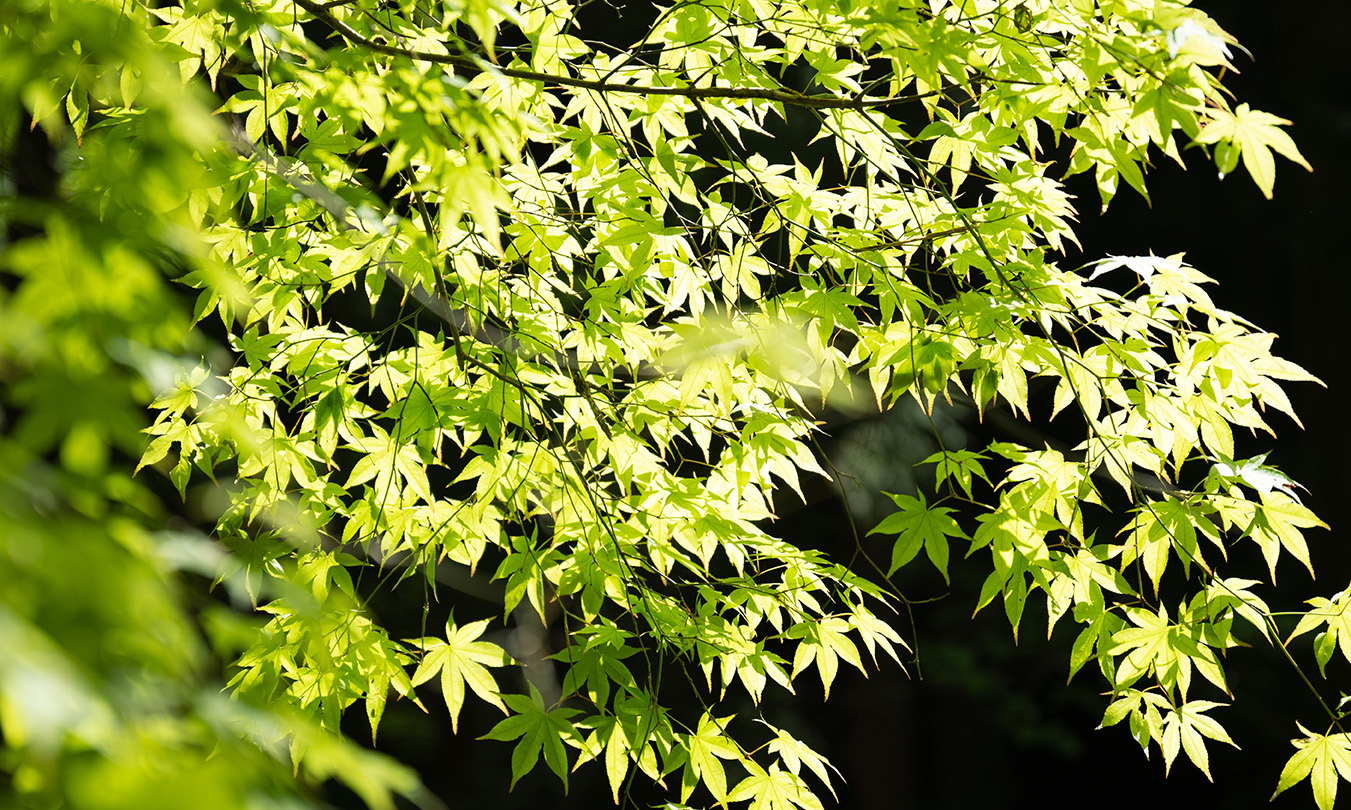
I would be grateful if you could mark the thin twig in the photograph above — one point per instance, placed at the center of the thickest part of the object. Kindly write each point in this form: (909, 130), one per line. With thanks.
(781, 95)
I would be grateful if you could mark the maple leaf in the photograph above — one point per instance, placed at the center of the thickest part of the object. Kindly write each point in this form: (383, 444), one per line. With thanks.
(1332, 613)
(774, 789)
(461, 661)
(1320, 758)
(707, 745)
(1253, 134)
(539, 731)
(917, 526)
(1188, 727)
(1276, 524)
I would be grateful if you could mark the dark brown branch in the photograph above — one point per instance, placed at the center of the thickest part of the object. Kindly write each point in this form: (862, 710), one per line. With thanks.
(781, 95)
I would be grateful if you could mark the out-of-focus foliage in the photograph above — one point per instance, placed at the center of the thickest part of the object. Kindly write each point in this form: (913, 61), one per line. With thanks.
(109, 678)
(618, 326)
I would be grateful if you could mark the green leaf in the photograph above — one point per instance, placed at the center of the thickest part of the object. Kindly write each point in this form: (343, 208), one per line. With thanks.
(774, 789)
(1254, 134)
(1276, 525)
(613, 335)
(706, 746)
(1149, 645)
(540, 731)
(1323, 759)
(461, 661)
(959, 465)
(1332, 614)
(919, 526)
(794, 753)
(824, 643)
(1189, 727)
(610, 742)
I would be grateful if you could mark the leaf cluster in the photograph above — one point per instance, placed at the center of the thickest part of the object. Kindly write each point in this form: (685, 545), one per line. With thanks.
(505, 301)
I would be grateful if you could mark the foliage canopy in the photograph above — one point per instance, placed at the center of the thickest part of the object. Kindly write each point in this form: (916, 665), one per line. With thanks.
(503, 301)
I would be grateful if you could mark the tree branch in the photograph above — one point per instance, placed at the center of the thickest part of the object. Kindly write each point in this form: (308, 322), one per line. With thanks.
(781, 95)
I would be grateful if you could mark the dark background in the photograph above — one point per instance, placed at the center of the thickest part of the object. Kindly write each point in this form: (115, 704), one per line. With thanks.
(991, 724)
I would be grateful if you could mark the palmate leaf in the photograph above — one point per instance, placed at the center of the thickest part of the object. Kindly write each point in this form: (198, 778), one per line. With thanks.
(824, 643)
(607, 741)
(1322, 758)
(959, 466)
(1146, 644)
(704, 749)
(1189, 727)
(1180, 728)
(774, 789)
(540, 730)
(1156, 646)
(1159, 531)
(1254, 134)
(1276, 525)
(917, 526)
(794, 753)
(630, 735)
(1333, 616)
(461, 661)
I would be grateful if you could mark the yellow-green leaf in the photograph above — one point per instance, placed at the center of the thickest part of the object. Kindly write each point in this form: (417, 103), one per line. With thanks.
(1255, 134)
